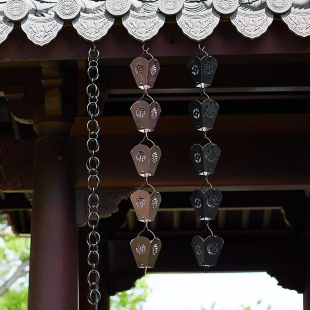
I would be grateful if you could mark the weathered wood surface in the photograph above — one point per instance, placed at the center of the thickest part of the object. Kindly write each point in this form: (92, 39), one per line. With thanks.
(261, 152)
(170, 41)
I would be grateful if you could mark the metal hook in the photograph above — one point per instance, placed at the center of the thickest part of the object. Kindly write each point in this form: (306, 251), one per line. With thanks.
(146, 228)
(146, 51)
(147, 138)
(147, 182)
(207, 223)
(146, 93)
(207, 226)
(204, 133)
(204, 136)
(202, 50)
(206, 181)
(203, 92)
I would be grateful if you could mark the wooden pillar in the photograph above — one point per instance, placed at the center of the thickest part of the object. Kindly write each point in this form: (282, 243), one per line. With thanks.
(104, 278)
(307, 280)
(53, 258)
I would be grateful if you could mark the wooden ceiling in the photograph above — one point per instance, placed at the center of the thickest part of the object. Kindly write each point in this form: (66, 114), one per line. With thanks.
(263, 130)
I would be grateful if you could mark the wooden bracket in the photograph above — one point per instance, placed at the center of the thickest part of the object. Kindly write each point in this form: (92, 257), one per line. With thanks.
(21, 111)
(16, 165)
(109, 201)
(52, 79)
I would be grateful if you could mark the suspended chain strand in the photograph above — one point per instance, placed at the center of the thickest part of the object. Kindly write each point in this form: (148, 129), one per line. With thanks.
(92, 165)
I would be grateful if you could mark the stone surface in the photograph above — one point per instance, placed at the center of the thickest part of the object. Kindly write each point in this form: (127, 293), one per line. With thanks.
(41, 30)
(92, 27)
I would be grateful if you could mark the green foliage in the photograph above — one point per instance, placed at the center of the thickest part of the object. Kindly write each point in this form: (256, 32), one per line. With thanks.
(12, 247)
(132, 299)
(14, 300)
(13, 252)
(242, 307)
(19, 246)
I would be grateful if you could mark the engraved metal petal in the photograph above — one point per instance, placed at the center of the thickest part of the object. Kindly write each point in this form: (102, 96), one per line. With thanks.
(202, 70)
(145, 205)
(145, 115)
(145, 72)
(203, 113)
(206, 204)
(208, 250)
(205, 158)
(145, 251)
(142, 157)
(141, 249)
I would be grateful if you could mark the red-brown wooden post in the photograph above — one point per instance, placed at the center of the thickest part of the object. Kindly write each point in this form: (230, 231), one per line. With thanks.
(53, 258)
(307, 280)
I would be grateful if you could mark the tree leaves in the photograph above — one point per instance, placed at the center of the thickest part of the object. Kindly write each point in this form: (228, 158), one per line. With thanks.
(14, 300)
(20, 246)
(132, 299)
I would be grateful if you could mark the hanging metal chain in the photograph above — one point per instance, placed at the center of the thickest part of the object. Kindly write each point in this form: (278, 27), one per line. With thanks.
(92, 165)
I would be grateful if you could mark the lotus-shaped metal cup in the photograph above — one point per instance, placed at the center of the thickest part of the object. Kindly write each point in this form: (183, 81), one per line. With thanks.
(206, 204)
(145, 72)
(205, 158)
(202, 70)
(145, 204)
(145, 115)
(146, 159)
(207, 251)
(145, 251)
(203, 113)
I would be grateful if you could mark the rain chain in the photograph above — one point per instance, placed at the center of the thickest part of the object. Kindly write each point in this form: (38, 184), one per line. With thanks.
(92, 165)
(205, 158)
(146, 160)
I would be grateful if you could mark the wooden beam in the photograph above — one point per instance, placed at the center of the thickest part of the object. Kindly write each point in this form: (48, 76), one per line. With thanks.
(247, 161)
(81, 98)
(267, 218)
(119, 235)
(52, 80)
(15, 202)
(16, 165)
(170, 41)
(245, 218)
(183, 125)
(252, 253)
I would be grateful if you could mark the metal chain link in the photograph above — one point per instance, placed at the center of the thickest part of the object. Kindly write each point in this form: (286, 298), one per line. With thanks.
(92, 165)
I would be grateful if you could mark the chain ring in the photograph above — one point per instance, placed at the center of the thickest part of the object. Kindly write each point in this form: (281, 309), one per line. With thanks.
(92, 165)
